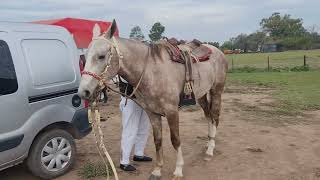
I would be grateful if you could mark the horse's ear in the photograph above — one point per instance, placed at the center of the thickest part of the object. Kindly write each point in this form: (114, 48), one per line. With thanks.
(110, 32)
(96, 31)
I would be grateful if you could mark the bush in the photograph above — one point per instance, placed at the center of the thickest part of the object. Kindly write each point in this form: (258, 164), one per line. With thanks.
(90, 170)
(247, 69)
(300, 68)
(278, 69)
(293, 43)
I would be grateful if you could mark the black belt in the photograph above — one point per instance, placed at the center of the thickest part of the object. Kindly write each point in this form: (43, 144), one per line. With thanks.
(126, 88)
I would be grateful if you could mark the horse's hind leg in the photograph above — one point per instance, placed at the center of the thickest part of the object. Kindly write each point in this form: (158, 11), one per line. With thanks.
(214, 114)
(211, 105)
(206, 106)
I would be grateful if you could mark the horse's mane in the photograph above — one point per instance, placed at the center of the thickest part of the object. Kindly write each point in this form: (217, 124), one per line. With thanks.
(157, 48)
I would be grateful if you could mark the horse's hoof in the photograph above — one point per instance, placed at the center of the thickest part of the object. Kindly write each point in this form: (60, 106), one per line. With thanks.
(153, 177)
(177, 178)
(208, 157)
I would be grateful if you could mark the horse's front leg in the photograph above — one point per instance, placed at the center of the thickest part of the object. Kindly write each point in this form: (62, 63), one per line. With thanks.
(157, 134)
(173, 121)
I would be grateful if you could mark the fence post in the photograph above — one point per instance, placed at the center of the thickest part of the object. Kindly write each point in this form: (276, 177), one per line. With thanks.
(232, 65)
(268, 63)
(304, 60)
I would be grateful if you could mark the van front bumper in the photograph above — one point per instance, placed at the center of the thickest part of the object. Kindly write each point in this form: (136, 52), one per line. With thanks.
(81, 124)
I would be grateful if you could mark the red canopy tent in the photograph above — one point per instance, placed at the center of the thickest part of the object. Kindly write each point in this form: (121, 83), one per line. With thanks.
(81, 29)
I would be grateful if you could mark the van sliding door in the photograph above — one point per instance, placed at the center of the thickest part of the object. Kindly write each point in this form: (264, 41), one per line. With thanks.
(13, 103)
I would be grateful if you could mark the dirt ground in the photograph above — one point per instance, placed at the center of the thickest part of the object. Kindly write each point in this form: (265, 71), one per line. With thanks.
(251, 143)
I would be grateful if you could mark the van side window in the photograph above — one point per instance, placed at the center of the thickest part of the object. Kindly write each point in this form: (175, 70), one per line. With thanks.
(50, 62)
(8, 78)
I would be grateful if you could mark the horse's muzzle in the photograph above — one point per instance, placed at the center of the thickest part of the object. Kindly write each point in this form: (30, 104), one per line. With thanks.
(88, 95)
(84, 94)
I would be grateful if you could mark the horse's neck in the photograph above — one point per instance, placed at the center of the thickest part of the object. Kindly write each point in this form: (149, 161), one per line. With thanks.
(135, 55)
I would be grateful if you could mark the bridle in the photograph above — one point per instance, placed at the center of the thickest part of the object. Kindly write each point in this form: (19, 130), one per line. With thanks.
(102, 81)
(114, 46)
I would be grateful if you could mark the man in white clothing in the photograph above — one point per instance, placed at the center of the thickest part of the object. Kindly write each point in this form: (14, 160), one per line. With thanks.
(135, 132)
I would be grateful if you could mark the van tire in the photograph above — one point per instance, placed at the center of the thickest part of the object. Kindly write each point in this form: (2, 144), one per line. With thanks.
(34, 161)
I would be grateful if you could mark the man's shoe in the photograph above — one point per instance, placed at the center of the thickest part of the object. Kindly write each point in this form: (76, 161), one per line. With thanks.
(142, 158)
(127, 167)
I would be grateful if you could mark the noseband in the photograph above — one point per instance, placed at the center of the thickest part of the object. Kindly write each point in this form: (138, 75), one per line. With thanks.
(97, 77)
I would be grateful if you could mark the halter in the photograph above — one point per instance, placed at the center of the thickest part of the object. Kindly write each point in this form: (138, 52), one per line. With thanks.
(114, 45)
(102, 83)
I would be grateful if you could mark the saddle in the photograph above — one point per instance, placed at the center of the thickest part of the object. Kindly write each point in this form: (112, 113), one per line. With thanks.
(199, 52)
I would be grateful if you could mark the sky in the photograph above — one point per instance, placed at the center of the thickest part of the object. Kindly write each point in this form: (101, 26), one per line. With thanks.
(206, 20)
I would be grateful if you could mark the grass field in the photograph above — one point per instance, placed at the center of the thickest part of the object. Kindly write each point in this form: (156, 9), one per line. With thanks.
(279, 59)
(294, 91)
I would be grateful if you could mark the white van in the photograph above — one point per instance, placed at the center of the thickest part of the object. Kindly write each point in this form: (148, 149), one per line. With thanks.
(40, 111)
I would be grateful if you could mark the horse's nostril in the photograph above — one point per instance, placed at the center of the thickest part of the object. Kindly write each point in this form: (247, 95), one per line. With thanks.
(86, 93)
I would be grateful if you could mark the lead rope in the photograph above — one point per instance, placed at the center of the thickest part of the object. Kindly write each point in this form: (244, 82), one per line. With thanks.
(95, 120)
(94, 117)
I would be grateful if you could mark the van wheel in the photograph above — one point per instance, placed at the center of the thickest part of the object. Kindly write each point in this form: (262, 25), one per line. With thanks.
(52, 154)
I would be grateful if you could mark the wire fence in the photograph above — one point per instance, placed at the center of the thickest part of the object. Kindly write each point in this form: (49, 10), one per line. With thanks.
(275, 61)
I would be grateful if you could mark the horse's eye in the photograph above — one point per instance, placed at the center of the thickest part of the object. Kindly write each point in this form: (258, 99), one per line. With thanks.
(101, 57)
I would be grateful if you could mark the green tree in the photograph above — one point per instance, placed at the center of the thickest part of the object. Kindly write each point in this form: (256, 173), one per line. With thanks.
(241, 42)
(313, 33)
(136, 33)
(256, 41)
(215, 44)
(227, 45)
(288, 32)
(292, 43)
(156, 31)
(278, 26)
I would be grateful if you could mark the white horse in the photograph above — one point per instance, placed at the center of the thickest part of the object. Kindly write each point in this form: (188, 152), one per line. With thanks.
(158, 81)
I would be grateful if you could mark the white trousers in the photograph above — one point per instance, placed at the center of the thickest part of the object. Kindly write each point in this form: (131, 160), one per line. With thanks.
(135, 132)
